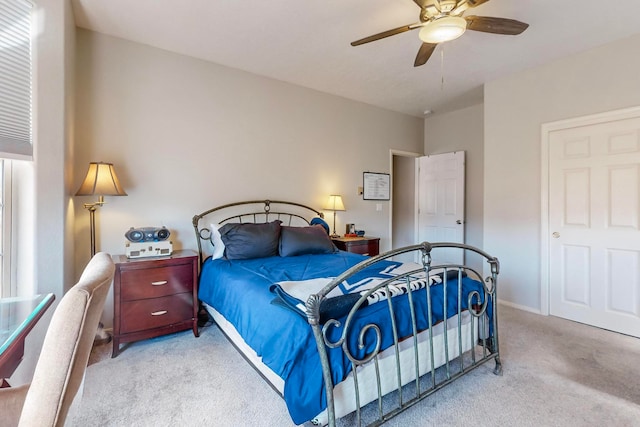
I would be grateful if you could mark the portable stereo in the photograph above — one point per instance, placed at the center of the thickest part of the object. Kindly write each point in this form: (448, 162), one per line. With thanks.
(147, 234)
(148, 242)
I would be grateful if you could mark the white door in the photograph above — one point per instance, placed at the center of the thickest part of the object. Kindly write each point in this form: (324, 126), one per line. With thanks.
(594, 222)
(440, 201)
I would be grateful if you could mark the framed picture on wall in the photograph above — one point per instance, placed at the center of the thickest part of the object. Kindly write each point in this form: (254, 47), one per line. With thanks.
(375, 186)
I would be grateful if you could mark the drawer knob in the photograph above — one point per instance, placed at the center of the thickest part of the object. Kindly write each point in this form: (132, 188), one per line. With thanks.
(159, 283)
(159, 313)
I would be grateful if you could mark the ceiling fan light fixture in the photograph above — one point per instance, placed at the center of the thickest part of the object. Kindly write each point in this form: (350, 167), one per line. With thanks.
(443, 29)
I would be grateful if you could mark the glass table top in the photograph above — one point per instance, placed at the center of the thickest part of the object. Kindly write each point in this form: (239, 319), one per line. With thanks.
(19, 313)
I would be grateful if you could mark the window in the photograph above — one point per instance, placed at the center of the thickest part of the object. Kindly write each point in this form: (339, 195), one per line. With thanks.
(15, 79)
(16, 140)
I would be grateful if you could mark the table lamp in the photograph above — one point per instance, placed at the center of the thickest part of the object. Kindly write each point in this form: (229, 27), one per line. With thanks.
(334, 204)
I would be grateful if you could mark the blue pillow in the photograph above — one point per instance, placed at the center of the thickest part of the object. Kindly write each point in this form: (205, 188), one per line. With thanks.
(319, 221)
(249, 240)
(305, 240)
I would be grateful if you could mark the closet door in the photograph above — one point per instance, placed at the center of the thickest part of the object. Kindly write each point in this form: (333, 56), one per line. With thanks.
(594, 224)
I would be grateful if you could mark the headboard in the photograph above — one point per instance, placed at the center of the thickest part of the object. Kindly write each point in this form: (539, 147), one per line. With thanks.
(253, 211)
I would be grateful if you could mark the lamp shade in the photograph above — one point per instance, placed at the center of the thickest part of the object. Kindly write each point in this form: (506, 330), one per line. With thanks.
(443, 29)
(334, 203)
(101, 180)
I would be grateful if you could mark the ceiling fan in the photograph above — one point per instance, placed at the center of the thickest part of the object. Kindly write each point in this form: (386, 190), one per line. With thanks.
(442, 20)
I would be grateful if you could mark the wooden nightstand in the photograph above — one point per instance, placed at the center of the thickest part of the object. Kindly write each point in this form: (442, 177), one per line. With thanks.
(154, 296)
(359, 245)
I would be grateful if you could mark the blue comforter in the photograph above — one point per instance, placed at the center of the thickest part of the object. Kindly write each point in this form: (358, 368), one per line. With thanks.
(240, 291)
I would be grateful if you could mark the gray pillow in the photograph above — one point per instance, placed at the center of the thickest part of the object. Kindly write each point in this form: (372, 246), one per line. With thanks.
(305, 240)
(248, 240)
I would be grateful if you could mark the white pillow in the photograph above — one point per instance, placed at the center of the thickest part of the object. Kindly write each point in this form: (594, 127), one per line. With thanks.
(218, 246)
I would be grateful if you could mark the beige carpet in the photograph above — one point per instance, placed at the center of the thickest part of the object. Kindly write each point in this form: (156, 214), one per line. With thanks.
(556, 373)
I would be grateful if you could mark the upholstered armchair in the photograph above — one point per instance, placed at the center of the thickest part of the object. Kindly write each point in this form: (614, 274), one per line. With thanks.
(65, 353)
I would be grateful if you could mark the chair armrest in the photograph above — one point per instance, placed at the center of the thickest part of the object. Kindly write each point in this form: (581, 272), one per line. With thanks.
(11, 402)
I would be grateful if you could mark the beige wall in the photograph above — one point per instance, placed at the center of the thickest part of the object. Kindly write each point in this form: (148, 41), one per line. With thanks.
(602, 79)
(186, 135)
(463, 130)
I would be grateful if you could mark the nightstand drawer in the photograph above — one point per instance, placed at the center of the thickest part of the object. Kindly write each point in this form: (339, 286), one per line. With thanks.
(156, 312)
(358, 245)
(359, 248)
(156, 282)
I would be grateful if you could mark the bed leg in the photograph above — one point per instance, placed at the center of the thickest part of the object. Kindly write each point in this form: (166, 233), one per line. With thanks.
(498, 369)
(491, 344)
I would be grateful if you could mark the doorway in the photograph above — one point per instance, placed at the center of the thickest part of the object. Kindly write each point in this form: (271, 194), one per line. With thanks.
(427, 202)
(402, 210)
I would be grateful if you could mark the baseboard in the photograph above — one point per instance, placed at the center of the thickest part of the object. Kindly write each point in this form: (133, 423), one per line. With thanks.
(519, 307)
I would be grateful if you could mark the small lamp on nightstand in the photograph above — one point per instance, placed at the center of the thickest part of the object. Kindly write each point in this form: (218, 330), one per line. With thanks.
(335, 204)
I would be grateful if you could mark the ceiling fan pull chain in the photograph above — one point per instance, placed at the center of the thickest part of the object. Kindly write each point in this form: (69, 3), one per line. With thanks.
(442, 68)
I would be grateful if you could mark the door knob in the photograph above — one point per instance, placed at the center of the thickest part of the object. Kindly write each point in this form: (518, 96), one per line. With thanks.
(458, 222)
(555, 234)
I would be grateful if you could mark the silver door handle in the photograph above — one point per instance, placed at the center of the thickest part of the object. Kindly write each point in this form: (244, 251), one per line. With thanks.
(555, 234)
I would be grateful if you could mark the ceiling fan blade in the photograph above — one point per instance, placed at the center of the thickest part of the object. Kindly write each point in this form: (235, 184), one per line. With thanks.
(384, 34)
(487, 24)
(424, 53)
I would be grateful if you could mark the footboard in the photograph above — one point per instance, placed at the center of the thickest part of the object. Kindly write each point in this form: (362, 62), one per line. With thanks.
(442, 323)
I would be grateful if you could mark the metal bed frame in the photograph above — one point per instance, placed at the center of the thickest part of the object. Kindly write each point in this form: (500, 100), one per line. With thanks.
(413, 382)
(488, 346)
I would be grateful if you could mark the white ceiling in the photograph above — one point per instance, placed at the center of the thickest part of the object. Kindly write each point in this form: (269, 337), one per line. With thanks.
(306, 42)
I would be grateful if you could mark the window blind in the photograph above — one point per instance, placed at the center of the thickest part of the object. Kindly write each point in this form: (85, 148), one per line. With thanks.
(15, 79)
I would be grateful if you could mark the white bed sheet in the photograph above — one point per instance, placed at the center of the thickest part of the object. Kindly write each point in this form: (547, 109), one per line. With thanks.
(344, 392)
